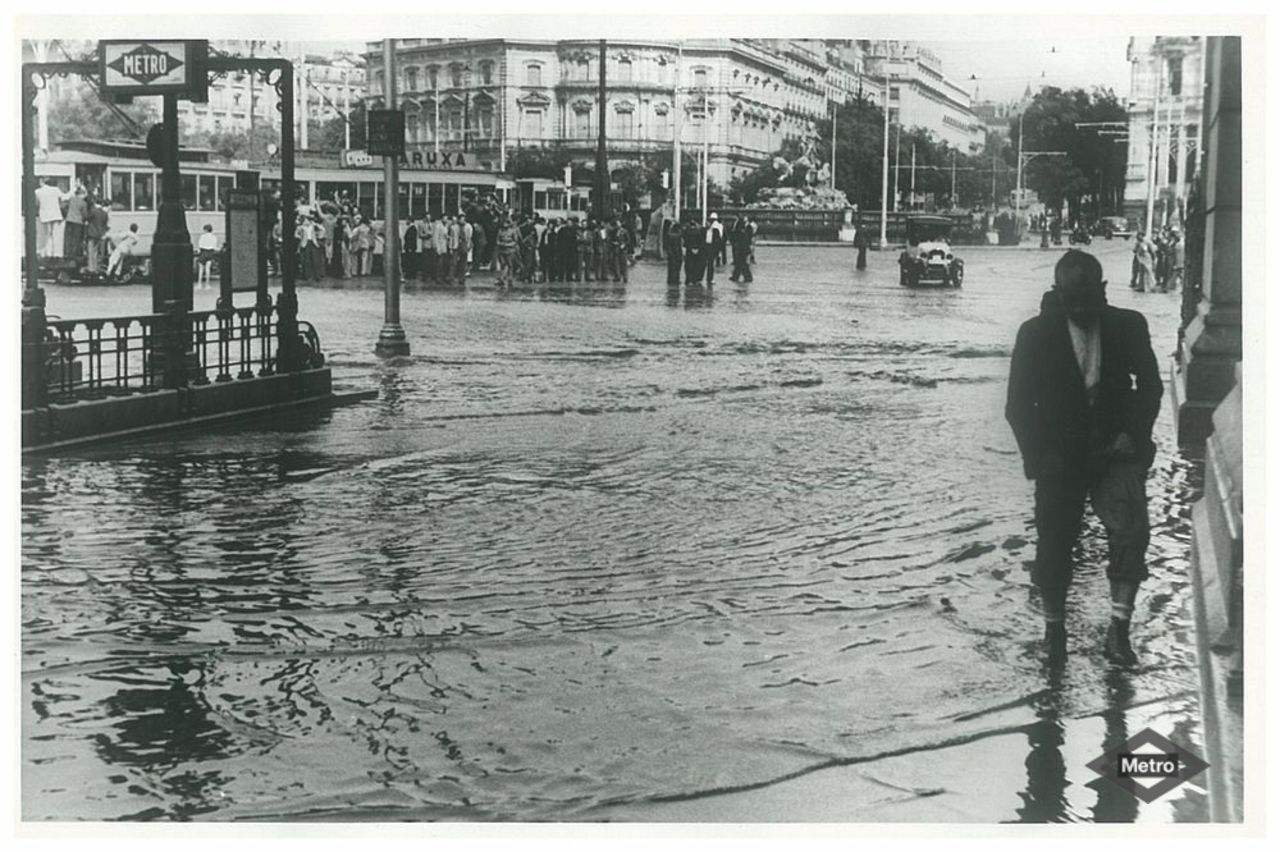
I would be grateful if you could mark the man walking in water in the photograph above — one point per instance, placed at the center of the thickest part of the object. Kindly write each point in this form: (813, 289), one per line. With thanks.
(1084, 391)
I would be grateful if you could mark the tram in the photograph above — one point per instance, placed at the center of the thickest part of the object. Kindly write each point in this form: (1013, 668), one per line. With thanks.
(120, 173)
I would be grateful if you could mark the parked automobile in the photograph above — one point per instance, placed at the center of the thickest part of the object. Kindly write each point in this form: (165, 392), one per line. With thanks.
(1112, 226)
(928, 258)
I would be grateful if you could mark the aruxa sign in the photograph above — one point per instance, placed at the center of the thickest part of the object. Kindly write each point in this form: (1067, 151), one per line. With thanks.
(427, 160)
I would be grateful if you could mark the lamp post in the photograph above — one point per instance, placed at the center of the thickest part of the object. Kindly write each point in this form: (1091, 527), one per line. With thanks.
(676, 108)
(884, 173)
(391, 340)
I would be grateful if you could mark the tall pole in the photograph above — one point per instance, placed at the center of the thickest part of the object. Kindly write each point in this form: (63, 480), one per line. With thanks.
(602, 152)
(884, 173)
(304, 117)
(677, 109)
(706, 157)
(913, 176)
(1151, 167)
(436, 135)
(1017, 193)
(252, 45)
(346, 107)
(391, 340)
(41, 50)
(897, 162)
(835, 114)
(953, 181)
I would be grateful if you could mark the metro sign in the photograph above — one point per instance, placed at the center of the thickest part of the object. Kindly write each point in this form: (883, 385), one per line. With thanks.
(147, 67)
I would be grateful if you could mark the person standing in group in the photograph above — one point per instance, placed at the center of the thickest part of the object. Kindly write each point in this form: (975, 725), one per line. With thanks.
(309, 232)
(695, 239)
(409, 249)
(480, 247)
(713, 248)
(328, 220)
(96, 228)
(546, 251)
(567, 249)
(740, 239)
(49, 212)
(1135, 273)
(861, 242)
(73, 230)
(453, 246)
(583, 270)
(1177, 259)
(340, 263)
(440, 246)
(506, 245)
(719, 242)
(604, 251)
(674, 249)
(1146, 264)
(467, 231)
(621, 251)
(1084, 390)
(360, 245)
(208, 248)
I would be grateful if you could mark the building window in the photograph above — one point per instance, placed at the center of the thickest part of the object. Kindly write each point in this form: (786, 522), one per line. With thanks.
(532, 124)
(411, 80)
(1175, 75)
(453, 124)
(433, 78)
(624, 70)
(533, 74)
(582, 123)
(455, 76)
(700, 78)
(583, 69)
(486, 73)
(484, 121)
(625, 122)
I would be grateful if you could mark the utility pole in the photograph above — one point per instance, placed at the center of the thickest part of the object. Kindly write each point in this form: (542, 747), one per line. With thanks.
(1151, 168)
(834, 121)
(913, 176)
(391, 340)
(304, 119)
(678, 109)
(953, 181)
(602, 152)
(706, 157)
(897, 163)
(1017, 193)
(884, 173)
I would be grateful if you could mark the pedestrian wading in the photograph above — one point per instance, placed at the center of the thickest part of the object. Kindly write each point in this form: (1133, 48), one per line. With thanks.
(1084, 391)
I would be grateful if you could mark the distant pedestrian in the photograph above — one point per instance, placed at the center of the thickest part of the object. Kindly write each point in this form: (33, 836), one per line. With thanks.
(49, 212)
(740, 242)
(861, 243)
(208, 248)
(674, 250)
(409, 249)
(506, 246)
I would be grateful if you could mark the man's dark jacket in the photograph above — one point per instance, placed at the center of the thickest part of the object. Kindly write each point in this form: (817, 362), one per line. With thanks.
(1047, 405)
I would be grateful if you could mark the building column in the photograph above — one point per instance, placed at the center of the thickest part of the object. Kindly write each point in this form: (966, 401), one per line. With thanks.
(1208, 390)
(1211, 343)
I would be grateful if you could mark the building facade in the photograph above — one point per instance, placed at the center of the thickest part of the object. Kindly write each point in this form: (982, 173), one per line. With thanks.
(739, 99)
(327, 83)
(1166, 102)
(920, 95)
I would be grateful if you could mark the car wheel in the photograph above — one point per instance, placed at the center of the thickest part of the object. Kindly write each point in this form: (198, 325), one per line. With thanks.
(957, 275)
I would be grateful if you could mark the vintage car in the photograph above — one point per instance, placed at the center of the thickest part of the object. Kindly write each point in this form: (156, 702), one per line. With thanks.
(928, 258)
(1112, 226)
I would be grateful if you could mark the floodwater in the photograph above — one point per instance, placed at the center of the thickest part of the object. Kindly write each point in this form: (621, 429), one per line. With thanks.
(585, 557)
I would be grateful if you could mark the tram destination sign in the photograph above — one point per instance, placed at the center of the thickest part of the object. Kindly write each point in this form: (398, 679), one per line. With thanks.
(131, 67)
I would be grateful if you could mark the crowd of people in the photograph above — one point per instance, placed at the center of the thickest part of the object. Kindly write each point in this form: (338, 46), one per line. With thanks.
(1158, 262)
(699, 250)
(84, 221)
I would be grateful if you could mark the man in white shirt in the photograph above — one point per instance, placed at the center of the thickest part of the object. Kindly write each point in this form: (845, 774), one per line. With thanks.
(49, 214)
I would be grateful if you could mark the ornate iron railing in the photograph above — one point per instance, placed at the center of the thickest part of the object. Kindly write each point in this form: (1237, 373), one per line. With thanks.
(109, 356)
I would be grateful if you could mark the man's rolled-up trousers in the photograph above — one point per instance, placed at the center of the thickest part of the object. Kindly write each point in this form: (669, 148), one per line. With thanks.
(1118, 496)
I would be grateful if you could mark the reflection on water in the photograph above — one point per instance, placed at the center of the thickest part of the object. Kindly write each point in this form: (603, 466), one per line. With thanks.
(589, 546)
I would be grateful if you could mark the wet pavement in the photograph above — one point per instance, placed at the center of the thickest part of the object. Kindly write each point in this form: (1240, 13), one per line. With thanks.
(592, 556)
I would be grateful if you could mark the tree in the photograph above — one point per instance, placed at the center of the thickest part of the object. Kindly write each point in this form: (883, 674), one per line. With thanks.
(1093, 167)
(84, 115)
(331, 135)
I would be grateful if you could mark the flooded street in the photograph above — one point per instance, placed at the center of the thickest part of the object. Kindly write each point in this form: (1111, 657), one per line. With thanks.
(591, 558)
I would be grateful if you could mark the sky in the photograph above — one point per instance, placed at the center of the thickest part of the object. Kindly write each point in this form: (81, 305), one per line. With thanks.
(1004, 68)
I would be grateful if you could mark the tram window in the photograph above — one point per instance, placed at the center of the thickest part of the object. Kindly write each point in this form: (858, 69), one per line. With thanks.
(207, 193)
(225, 184)
(418, 199)
(188, 192)
(435, 199)
(144, 191)
(121, 190)
(540, 200)
(334, 190)
(402, 200)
